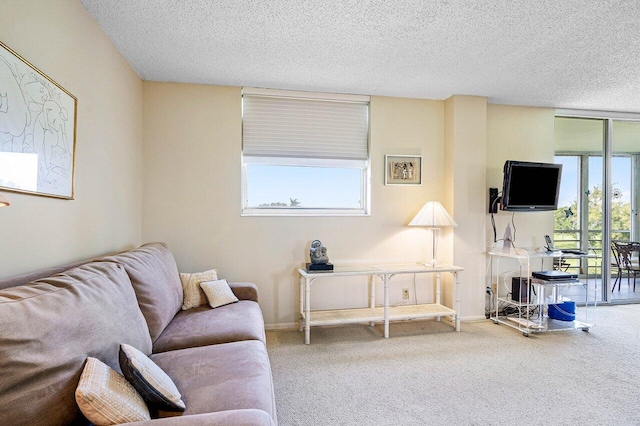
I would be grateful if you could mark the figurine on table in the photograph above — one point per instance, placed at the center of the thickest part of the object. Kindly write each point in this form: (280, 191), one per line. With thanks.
(318, 257)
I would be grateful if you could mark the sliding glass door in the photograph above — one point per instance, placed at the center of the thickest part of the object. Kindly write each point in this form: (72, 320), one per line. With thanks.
(625, 150)
(598, 196)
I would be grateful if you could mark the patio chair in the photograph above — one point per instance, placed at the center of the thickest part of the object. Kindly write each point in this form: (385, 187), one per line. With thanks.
(627, 261)
(615, 264)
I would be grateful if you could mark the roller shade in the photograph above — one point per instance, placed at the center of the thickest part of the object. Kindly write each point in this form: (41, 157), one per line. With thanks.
(300, 127)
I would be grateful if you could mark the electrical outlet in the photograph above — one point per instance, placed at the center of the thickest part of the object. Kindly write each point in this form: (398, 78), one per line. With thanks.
(405, 293)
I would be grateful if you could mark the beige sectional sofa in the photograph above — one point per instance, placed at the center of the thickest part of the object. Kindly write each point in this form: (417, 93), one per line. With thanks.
(51, 321)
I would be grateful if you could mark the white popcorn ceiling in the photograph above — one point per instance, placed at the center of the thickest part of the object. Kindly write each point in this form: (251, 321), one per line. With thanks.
(582, 54)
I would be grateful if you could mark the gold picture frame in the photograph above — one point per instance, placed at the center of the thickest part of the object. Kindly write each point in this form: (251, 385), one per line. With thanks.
(37, 130)
(403, 170)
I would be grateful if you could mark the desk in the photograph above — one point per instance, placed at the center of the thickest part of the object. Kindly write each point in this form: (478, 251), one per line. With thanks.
(371, 314)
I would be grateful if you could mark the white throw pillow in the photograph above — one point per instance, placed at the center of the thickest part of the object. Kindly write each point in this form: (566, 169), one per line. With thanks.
(106, 398)
(193, 294)
(218, 293)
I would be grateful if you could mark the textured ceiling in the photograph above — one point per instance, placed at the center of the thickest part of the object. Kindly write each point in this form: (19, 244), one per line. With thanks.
(582, 54)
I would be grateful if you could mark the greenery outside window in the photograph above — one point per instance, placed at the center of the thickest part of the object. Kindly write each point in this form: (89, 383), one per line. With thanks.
(580, 201)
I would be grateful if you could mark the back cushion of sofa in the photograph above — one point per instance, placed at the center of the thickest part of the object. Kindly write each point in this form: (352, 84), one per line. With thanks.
(156, 281)
(49, 327)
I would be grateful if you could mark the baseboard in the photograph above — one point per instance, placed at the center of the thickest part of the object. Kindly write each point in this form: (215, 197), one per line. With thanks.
(473, 319)
(282, 326)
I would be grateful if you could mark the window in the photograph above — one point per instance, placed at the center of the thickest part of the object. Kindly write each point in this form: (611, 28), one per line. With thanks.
(304, 153)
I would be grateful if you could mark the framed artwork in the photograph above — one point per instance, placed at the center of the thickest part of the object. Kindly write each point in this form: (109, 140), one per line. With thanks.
(403, 170)
(37, 130)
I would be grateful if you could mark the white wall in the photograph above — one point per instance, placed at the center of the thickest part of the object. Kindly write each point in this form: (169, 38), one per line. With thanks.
(192, 148)
(64, 41)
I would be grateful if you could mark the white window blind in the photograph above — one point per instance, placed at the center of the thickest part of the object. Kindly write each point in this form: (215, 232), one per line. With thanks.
(295, 125)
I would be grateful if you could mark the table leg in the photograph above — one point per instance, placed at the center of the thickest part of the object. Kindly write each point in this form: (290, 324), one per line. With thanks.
(438, 295)
(456, 277)
(372, 294)
(300, 324)
(386, 306)
(307, 310)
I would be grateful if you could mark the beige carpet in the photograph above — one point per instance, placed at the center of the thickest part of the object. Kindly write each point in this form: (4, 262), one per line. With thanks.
(487, 374)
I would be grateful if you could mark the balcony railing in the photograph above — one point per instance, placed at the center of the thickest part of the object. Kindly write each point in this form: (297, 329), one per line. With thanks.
(570, 239)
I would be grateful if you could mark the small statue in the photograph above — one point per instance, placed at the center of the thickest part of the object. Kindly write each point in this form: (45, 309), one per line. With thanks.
(507, 240)
(318, 253)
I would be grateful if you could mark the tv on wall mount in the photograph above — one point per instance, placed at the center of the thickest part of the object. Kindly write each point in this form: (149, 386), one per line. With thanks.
(528, 186)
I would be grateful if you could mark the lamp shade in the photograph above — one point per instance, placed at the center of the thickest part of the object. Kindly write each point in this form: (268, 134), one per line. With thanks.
(4, 202)
(433, 215)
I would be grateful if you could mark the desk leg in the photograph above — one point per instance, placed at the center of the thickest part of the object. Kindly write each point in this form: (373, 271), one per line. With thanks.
(300, 324)
(456, 277)
(386, 306)
(307, 311)
(438, 294)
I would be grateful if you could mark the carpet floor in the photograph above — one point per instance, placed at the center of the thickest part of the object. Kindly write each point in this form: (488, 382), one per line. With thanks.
(487, 374)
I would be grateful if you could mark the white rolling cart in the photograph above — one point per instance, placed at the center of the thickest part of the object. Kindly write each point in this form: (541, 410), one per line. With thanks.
(530, 312)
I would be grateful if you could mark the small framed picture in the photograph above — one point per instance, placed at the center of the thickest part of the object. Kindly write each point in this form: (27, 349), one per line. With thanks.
(403, 170)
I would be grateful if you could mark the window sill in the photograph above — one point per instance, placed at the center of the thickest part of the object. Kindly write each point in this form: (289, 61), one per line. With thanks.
(300, 212)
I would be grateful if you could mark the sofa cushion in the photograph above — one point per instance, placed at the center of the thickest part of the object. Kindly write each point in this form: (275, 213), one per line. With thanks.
(106, 398)
(153, 384)
(156, 281)
(48, 329)
(205, 326)
(193, 294)
(221, 377)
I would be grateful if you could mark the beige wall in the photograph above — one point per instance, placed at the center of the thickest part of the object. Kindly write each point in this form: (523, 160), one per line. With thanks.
(192, 155)
(465, 180)
(192, 148)
(63, 40)
(526, 134)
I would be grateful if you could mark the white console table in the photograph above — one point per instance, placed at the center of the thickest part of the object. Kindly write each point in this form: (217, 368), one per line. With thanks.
(371, 314)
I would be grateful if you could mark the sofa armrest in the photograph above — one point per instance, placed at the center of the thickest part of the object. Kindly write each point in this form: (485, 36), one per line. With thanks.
(244, 417)
(245, 291)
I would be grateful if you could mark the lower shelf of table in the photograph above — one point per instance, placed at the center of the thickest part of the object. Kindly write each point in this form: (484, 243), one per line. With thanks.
(396, 313)
(536, 326)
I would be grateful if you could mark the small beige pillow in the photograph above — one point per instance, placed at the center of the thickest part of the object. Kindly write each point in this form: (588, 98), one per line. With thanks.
(193, 294)
(106, 398)
(218, 293)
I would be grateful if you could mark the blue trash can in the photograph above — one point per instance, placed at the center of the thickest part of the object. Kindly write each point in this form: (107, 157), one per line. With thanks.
(565, 311)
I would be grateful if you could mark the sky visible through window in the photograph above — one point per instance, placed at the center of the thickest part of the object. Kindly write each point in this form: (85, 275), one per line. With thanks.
(312, 187)
(620, 176)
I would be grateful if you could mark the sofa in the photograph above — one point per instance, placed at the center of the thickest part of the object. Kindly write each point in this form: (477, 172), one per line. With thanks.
(52, 320)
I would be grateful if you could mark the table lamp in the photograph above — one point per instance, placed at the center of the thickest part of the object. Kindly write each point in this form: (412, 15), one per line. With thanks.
(433, 216)
(4, 202)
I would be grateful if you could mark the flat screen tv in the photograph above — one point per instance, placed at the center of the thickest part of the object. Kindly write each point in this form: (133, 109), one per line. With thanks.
(529, 187)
